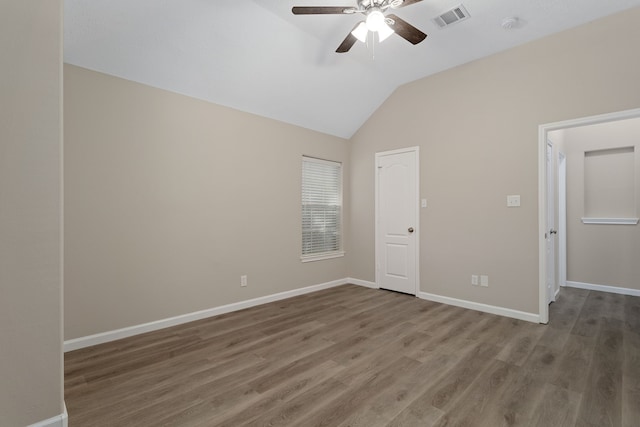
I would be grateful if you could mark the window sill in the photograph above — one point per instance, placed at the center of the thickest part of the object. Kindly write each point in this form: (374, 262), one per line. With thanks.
(319, 257)
(614, 221)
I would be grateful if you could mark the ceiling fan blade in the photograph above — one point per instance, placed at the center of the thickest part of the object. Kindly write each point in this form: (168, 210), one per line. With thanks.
(406, 30)
(407, 3)
(348, 42)
(322, 10)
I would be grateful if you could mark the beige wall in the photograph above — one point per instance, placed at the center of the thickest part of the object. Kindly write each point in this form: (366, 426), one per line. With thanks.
(477, 128)
(30, 211)
(597, 253)
(168, 200)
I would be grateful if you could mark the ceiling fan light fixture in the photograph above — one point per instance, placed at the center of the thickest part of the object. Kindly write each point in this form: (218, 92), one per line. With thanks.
(384, 32)
(361, 32)
(375, 20)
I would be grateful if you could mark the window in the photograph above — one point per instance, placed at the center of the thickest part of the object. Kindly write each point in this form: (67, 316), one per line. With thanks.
(321, 209)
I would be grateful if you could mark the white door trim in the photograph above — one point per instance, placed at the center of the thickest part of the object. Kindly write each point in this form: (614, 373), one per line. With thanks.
(543, 130)
(415, 150)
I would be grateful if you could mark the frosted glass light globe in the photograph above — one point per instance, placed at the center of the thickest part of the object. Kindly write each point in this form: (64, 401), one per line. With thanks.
(375, 20)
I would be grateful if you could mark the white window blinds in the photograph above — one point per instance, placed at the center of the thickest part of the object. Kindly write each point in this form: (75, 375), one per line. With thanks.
(321, 208)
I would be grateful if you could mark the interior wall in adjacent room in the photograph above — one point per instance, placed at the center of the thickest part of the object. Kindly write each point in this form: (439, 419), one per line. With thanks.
(604, 254)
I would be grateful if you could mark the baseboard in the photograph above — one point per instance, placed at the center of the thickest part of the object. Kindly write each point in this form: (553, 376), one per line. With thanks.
(604, 288)
(91, 340)
(501, 311)
(359, 282)
(555, 297)
(61, 420)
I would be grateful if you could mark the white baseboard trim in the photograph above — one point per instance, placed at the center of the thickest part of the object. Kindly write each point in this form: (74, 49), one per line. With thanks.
(359, 282)
(501, 311)
(604, 288)
(555, 297)
(100, 338)
(91, 340)
(61, 420)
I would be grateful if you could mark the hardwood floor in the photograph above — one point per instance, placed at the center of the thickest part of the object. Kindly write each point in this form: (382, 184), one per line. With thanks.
(351, 356)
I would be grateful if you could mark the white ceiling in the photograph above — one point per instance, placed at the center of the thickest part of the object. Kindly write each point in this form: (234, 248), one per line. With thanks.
(256, 56)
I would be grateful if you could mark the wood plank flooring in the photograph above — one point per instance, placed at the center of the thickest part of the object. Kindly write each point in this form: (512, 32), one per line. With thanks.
(352, 356)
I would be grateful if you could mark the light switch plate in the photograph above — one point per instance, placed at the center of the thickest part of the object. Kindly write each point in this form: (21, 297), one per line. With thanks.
(513, 201)
(423, 203)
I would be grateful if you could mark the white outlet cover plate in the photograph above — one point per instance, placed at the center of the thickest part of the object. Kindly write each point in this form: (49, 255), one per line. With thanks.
(513, 201)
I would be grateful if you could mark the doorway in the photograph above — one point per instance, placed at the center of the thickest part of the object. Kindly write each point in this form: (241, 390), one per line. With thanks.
(543, 197)
(397, 220)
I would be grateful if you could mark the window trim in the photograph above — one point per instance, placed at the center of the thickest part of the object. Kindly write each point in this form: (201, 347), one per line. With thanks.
(610, 221)
(321, 256)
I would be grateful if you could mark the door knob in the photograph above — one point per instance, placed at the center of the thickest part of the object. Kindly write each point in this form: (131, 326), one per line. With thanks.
(410, 230)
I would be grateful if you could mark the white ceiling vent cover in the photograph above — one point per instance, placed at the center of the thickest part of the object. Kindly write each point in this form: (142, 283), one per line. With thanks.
(457, 14)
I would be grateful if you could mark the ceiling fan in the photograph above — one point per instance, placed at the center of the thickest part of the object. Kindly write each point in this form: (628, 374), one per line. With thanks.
(376, 21)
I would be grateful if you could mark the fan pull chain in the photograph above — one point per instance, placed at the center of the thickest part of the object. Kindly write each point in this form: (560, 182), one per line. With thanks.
(372, 47)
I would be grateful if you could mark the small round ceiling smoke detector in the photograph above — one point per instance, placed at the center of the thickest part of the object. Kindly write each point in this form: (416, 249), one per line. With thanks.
(510, 23)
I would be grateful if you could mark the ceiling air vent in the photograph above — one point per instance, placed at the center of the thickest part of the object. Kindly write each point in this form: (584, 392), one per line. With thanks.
(452, 16)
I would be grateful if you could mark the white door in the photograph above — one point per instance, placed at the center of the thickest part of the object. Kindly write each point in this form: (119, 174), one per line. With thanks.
(551, 232)
(562, 219)
(397, 220)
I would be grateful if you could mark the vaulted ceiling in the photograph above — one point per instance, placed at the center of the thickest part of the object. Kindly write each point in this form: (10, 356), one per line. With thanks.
(256, 56)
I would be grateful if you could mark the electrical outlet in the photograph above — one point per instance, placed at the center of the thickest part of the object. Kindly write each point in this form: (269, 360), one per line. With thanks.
(243, 280)
(484, 281)
(474, 279)
(513, 201)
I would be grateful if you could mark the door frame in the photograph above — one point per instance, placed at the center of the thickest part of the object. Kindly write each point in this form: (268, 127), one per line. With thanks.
(543, 130)
(416, 151)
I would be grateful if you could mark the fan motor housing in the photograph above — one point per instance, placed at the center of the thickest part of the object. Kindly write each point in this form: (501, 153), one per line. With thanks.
(365, 4)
